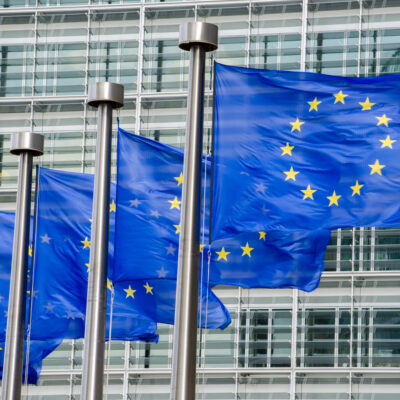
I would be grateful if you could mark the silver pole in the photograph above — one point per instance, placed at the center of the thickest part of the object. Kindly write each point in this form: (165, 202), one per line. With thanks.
(105, 96)
(198, 38)
(26, 145)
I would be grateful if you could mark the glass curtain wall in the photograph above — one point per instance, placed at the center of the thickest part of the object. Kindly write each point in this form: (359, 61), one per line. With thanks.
(341, 341)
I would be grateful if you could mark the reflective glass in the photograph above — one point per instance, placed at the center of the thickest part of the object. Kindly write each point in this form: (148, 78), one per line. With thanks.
(48, 57)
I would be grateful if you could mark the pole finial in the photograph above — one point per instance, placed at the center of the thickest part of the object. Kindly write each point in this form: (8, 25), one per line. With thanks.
(27, 141)
(106, 92)
(198, 33)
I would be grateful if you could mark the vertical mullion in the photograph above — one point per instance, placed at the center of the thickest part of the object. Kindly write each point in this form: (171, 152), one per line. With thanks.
(361, 250)
(85, 106)
(372, 246)
(237, 330)
(359, 336)
(34, 59)
(345, 48)
(139, 70)
(125, 387)
(55, 67)
(302, 337)
(371, 336)
(360, 38)
(336, 338)
(351, 322)
(71, 375)
(247, 334)
(303, 49)
(269, 338)
(293, 355)
(353, 245)
(338, 249)
(248, 35)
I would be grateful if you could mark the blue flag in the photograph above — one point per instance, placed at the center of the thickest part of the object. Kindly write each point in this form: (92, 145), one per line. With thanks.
(149, 187)
(313, 151)
(63, 225)
(38, 350)
(61, 263)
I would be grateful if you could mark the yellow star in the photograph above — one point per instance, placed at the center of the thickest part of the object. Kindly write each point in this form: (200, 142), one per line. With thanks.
(30, 251)
(308, 193)
(109, 285)
(179, 179)
(376, 168)
(314, 104)
(290, 174)
(333, 199)
(113, 206)
(296, 125)
(130, 292)
(222, 254)
(86, 242)
(149, 289)
(178, 228)
(387, 142)
(175, 203)
(88, 267)
(287, 149)
(383, 120)
(246, 250)
(339, 97)
(262, 235)
(356, 188)
(201, 248)
(366, 105)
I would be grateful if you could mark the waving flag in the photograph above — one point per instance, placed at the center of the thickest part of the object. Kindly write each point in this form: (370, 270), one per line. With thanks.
(303, 151)
(38, 349)
(149, 184)
(63, 225)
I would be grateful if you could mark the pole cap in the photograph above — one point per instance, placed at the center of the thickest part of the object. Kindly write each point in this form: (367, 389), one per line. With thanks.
(200, 33)
(27, 142)
(106, 92)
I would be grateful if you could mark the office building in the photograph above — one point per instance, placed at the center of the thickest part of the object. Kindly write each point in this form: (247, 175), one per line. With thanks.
(341, 341)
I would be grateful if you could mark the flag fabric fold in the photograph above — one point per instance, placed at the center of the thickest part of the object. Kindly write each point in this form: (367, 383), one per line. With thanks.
(61, 262)
(38, 349)
(149, 185)
(62, 248)
(304, 151)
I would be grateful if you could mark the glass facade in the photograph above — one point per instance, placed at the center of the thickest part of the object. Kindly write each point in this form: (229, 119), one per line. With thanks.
(341, 341)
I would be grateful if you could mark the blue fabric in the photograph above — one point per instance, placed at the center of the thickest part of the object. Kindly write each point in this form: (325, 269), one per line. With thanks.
(316, 151)
(147, 219)
(64, 208)
(148, 184)
(38, 350)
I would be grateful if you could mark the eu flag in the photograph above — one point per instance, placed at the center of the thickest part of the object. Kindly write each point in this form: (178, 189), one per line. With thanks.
(312, 151)
(38, 349)
(149, 176)
(63, 226)
(61, 263)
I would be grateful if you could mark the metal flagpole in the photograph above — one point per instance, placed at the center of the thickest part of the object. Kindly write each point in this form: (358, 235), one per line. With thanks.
(198, 38)
(105, 96)
(27, 145)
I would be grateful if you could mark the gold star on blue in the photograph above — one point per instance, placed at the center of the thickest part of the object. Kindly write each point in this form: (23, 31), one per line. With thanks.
(149, 289)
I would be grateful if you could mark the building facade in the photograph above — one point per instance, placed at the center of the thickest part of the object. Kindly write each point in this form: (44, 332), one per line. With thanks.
(341, 341)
